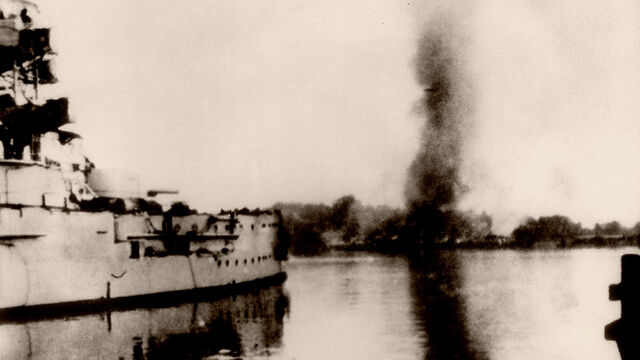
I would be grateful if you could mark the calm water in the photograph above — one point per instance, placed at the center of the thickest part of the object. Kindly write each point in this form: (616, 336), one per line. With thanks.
(487, 304)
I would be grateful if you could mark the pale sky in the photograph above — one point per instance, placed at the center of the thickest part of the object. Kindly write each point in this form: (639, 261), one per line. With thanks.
(245, 103)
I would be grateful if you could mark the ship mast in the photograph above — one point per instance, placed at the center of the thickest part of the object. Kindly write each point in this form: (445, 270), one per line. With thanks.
(25, 65)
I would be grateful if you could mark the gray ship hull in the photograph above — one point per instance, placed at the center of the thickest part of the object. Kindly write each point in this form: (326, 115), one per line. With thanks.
(54, 256)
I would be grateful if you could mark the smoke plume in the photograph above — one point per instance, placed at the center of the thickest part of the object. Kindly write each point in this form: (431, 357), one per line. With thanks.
(434, 176)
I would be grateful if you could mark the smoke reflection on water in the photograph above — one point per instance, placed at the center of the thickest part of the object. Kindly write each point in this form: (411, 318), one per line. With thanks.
(436, 287)
(507, 304)
(373, 307)
(458, 304)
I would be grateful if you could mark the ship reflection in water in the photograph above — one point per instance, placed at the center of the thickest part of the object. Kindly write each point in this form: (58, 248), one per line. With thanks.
(244, 325)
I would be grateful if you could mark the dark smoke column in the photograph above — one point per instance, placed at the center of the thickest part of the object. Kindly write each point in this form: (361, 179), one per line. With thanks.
(433, 181)
(432, 189)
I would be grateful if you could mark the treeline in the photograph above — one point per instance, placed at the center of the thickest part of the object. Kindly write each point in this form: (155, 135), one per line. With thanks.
(560, 231)
(314, 228)
(348, 224)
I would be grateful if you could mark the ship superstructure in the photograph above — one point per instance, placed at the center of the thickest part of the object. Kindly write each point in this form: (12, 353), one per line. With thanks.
(68, 234)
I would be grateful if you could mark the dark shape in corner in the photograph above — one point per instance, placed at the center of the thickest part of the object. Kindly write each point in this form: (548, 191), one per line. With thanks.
(625, 331)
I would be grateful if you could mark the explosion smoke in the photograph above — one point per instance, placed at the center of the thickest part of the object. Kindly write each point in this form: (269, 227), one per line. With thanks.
(434, 180)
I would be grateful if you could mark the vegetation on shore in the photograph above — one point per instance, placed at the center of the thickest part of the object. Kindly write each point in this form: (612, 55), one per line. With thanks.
(314, 228)
(347, 224)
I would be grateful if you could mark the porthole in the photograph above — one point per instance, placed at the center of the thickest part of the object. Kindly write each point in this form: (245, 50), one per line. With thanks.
(227, 262)
(219, 263)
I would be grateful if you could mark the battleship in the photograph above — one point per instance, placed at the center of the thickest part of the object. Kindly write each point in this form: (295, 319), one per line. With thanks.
(72, 234)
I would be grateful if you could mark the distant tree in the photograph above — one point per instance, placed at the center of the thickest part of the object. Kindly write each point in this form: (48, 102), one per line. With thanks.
(550, 229)
(308, 241)
(344, 217)
(612, 228)
(597, 229)
(635, 230)
(307, 225)
(525, 234)
(303, 225)
(385, 237)
(469, 226)
(340, 211)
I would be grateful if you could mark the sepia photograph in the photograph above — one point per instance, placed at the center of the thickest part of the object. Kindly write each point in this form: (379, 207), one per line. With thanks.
(306, 180)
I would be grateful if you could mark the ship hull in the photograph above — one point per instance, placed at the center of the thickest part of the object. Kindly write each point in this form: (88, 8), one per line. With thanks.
(50, 257)
(157, 300)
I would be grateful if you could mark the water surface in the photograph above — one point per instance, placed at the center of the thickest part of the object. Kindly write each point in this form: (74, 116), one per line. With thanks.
(505, 304)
